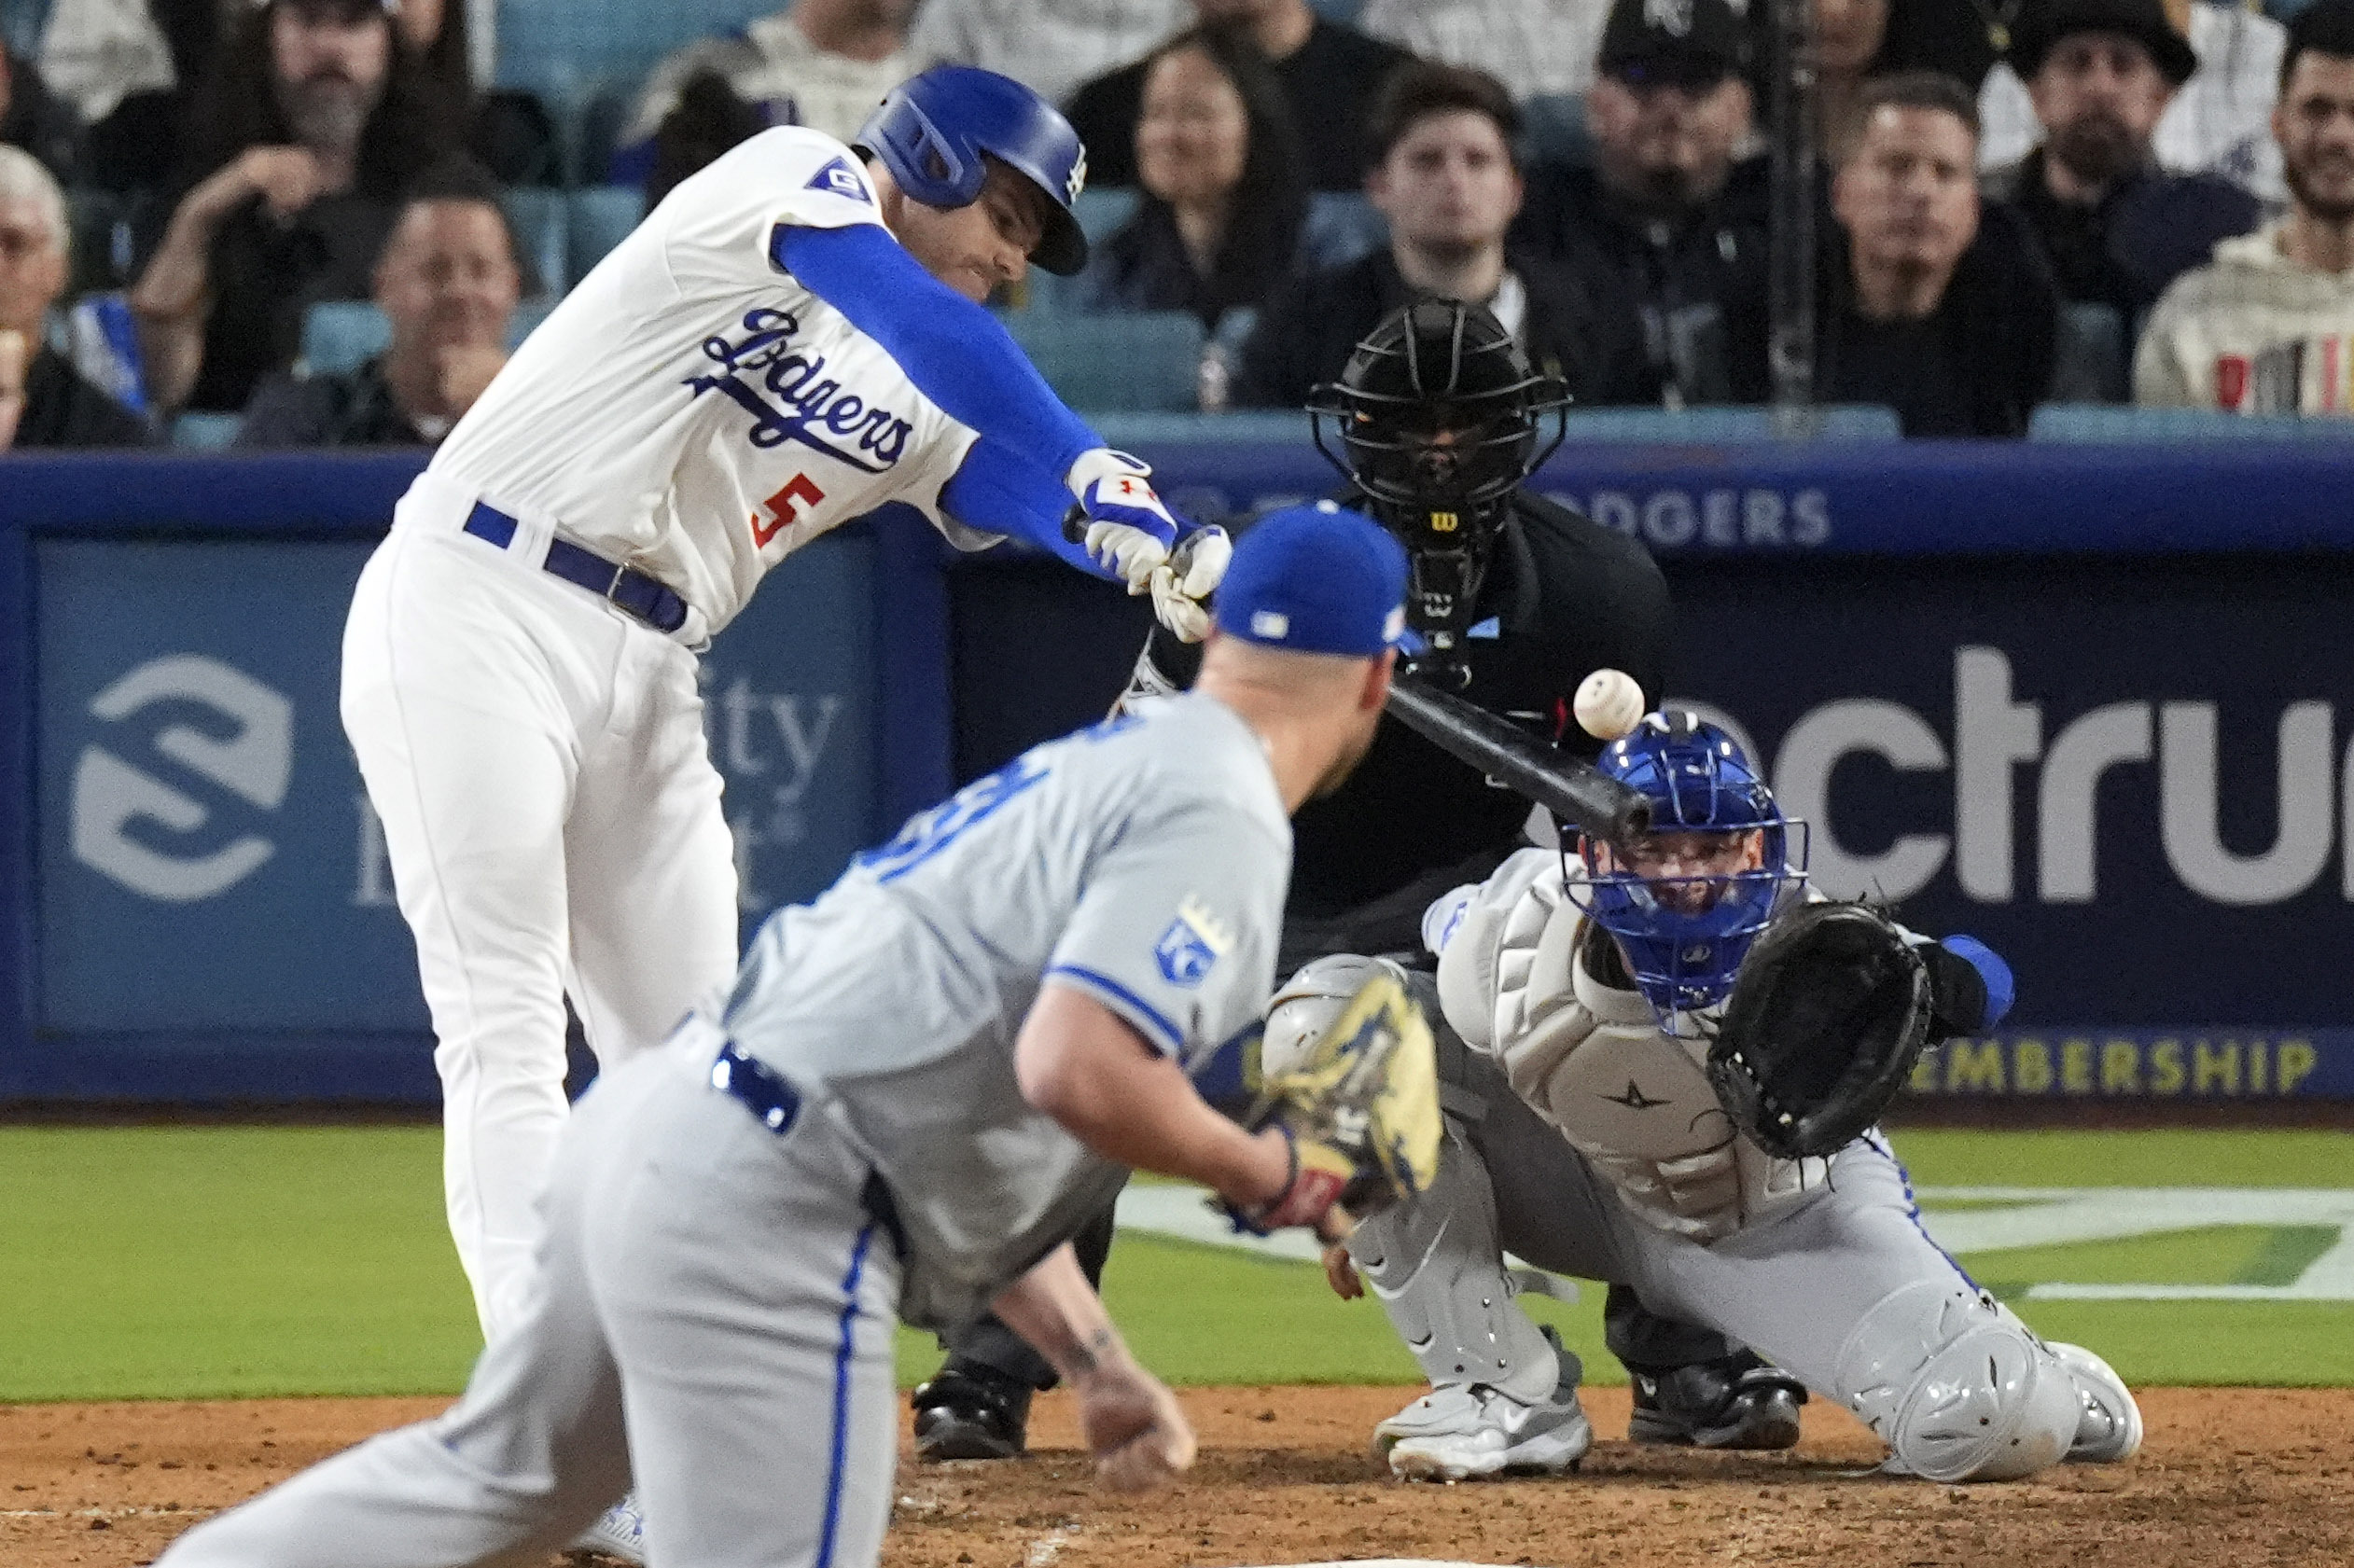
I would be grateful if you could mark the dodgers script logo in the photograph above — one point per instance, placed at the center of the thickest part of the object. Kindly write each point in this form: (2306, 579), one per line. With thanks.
(810, 407)
(1193, 942)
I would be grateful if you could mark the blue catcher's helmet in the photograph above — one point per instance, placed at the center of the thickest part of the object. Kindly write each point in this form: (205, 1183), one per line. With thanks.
(1684, 934)
(931, 132)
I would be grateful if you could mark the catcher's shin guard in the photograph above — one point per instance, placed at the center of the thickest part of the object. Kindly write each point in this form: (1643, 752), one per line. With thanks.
(1435, 1263)
(1957, 1386)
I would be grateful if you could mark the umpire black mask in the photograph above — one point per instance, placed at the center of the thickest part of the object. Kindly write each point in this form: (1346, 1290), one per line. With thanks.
(1437, 417)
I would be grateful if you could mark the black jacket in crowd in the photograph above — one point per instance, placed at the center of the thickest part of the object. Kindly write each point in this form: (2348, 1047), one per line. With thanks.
(1976, 366)
(1568, 597)
(63, 409)
(1585, 333)
(1330, 81)
(1143, 266)
(1685, 275)
(2149, 230)
(345, 408)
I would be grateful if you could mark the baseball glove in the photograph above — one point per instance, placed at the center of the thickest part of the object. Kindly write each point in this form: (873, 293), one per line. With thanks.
(1833, 1006)
(1361, 1110)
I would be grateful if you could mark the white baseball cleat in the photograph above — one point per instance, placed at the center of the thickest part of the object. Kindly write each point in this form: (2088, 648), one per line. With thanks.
(1459, 1432)
(619, 1532)
(2109, 1430)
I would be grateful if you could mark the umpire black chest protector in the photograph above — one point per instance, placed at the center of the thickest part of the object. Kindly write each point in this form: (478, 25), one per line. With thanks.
(1566, 596)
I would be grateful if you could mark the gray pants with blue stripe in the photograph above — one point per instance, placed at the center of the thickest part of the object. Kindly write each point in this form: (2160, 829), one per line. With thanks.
(714, 1312)
(1792, 1288)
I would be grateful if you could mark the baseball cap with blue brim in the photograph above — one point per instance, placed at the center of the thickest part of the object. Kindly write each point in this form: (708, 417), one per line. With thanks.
(1315, 579)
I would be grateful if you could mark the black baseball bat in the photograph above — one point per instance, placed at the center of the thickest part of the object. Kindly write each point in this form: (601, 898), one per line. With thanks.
(1574, 791)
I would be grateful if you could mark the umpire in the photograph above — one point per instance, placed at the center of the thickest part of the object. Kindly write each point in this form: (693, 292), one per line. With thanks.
(1513, 600)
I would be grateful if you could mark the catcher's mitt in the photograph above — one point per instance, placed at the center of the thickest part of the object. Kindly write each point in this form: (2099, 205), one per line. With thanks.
(1361, 1109)
(1833, 1006)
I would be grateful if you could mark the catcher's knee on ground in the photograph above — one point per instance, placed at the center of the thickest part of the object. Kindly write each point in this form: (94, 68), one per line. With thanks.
(1435, 1263)
(1957, 1386)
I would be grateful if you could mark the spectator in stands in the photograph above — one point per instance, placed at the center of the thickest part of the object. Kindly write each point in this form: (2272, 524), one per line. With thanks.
(131, 69)
(44, 402)
(1050, 46)
(1533, 46)
(1330, 76)
(2219, 122)
(37, 119)
(1934, 306)
(318, 117)
(509, 131)
(1446, 180)
(2268, 327)
(447, 283)
(707, 121)
(2115, 227)
(1958, 38)
(1849, 35)
(1668, 216)
(823, 63)
(1223, 199)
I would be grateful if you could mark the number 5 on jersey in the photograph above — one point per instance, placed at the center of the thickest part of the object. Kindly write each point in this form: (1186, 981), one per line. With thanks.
(780, 509)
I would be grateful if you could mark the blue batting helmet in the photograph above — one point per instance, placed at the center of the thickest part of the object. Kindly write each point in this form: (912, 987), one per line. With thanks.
(931, 132)
(1684, 936)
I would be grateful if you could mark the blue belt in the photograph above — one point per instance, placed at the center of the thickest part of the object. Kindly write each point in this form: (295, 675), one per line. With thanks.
(770, 1097)
(631, 591)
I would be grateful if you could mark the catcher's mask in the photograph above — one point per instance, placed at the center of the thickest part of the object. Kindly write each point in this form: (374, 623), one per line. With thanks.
(1685, 903)
(1436, 416)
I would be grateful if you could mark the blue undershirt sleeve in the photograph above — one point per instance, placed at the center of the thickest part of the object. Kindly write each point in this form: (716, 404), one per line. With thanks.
(958, 353)
(998, 491)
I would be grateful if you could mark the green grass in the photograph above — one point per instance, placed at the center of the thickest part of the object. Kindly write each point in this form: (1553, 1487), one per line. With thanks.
(160, 1263)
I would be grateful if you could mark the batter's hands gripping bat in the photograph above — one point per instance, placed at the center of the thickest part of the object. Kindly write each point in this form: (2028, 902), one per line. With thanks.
(1573, 791)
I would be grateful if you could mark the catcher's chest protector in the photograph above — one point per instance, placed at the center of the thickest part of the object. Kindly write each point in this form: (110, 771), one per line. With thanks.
(1594, 1063)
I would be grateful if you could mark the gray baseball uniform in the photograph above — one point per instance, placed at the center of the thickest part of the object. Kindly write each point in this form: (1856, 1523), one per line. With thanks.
(716, 1286)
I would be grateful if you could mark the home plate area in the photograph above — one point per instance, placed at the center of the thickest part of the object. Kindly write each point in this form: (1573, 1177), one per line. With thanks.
(1285, 1478)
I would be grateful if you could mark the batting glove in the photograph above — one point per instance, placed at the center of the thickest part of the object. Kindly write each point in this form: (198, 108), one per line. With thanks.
(1183, 588)
(1129, 534)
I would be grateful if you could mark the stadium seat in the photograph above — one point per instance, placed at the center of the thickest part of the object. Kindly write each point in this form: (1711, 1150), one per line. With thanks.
(343, 334)
(1725, 426)
(1342, 227)
(1258, 427)
(565, 49)
(2097, 422)
(204, 432)
(2094, 363)
(601, 217)
(1101, 211)
(1135, 362)
(1234, 327)
(1338, 10)
(537, 217)
(1554, 130)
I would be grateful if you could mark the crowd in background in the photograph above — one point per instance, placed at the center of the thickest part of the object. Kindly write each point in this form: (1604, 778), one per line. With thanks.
(1593, 173)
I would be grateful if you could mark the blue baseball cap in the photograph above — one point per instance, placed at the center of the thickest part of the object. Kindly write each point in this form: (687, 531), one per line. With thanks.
(1315, 579)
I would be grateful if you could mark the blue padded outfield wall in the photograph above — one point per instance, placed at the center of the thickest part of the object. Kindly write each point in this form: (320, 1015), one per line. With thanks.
(2083, 702)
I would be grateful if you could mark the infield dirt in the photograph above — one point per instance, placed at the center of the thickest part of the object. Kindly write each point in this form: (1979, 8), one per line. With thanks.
(2228, 1477)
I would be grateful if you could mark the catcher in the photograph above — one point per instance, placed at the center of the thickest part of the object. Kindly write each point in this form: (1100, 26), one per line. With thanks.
(916, 1088)
(1662, 1070)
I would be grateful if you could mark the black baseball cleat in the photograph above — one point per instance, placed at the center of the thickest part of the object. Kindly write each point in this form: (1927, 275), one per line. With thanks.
(972, 1412)
(1740, 1402)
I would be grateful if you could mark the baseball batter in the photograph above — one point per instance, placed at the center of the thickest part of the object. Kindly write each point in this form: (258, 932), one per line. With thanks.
(1585, 1137)
(792, 339)
(916, 1085)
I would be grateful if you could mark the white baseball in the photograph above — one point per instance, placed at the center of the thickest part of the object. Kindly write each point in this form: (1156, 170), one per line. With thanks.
(1608, 704)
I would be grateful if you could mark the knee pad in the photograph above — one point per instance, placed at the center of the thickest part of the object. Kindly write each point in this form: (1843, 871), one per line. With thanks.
(1436, 1265)
(1957, 1386)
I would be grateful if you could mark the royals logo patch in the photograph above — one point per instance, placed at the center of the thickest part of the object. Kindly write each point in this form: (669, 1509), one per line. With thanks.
(1192, 944)
(841, 180)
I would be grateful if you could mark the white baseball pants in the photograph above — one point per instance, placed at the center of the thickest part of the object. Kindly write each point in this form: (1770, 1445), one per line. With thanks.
(553, 825)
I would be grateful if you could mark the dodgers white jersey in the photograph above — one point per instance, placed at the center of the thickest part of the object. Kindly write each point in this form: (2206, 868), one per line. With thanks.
(1143, 862)
(691, 411)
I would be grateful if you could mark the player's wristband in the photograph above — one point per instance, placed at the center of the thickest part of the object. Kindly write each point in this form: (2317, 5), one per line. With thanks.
(1315, 1178)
